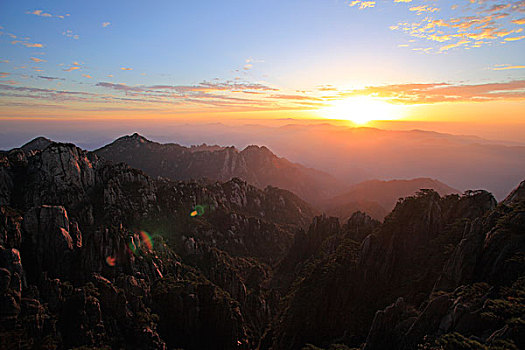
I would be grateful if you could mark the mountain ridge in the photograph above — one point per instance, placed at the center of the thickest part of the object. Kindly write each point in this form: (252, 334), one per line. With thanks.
(256, 164)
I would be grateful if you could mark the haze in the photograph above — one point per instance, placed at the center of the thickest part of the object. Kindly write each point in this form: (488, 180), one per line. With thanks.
(309, 79)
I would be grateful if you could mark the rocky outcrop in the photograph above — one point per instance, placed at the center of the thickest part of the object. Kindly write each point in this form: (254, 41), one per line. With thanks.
(198, 315)
(51, 241)
(390, 325)
(360, 225)
(256, 165)
(80, 225)
(460, 267)
(517, 195)
(37, 144)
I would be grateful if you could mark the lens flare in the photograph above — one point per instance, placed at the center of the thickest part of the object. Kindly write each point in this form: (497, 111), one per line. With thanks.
(111, 261)
(132, 247)
(198, 210)
(146, 239)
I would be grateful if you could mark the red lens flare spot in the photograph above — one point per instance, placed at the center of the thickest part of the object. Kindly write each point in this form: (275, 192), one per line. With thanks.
(111, 261)
(147, 240)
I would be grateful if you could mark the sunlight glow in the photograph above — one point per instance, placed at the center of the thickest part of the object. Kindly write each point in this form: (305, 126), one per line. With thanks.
(362, 109)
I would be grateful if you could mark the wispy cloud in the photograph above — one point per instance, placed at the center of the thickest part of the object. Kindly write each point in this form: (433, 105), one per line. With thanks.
(87, 76)
(516, 38)
(443, 92)
(74, 66)
(36, 59)
(506, 66)
(466, 25)
(4, 74)
(362, 4)
(69, 33)
(42, 13)
(423, 8)
(26, 43)
(125, 68)
(49, 78)
(105, 24)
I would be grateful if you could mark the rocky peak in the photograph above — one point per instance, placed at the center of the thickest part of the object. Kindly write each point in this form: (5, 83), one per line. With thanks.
(38, 143)
(360, 225)
(517, 195)
(135, 138)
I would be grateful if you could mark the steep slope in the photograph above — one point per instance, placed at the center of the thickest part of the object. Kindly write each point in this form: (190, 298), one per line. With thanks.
(79, 268)
(378, 198)
(256, 165)
(440, 271)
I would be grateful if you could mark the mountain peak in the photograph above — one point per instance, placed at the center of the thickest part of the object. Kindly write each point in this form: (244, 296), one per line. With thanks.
(135, 137)
(517, 195)
(259, 150)
(38, 143)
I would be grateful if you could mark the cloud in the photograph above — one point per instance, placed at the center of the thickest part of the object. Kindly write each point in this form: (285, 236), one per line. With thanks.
(189, 89)
(87, 76)
(507, 66)
(4, 74)
(482, 22)
(68, 33)
(4, 61)
(124, 68)
(35, 59)
(448, 47)
(443, 92)
(423, 8)
(105, 24)
(362, 4)
(49, 78)
(516, 38)
(70, 69)
(41, 13)
(498, 7)
(26, 43)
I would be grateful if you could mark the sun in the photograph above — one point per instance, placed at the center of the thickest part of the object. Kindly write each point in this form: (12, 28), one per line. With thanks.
(362, 109)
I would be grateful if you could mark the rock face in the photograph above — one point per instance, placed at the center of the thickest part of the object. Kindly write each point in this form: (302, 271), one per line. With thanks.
(431, 251)
(516, 196)
(79, 266)
(256, 165)
(100, 255)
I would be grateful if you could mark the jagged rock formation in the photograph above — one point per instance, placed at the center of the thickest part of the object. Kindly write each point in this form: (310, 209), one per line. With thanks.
(256, 165)
(343, 295)
(78, 268)
(96, 254)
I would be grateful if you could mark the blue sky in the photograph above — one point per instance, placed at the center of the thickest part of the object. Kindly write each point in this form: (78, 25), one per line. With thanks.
(253, 55)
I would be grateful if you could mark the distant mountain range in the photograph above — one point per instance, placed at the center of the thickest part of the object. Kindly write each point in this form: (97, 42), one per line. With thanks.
(350, 154)
(256, 165)
(377, 198)
(260, 167)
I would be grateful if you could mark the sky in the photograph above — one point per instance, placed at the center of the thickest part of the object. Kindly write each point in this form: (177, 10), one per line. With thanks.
(452, 66)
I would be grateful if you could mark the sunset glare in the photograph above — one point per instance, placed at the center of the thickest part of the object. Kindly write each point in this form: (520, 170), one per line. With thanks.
(360, 110)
